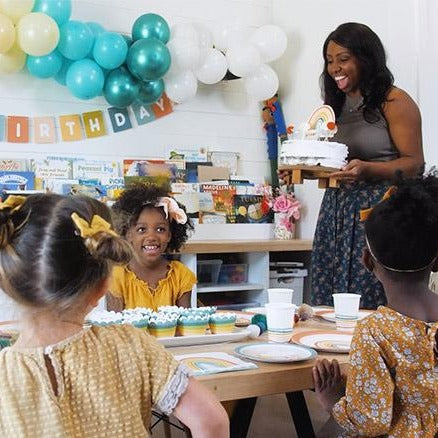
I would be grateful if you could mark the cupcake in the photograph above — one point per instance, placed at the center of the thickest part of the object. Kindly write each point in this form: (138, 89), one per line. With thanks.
(162, 324)
(194, 324)
(137, 320)
(222, 322)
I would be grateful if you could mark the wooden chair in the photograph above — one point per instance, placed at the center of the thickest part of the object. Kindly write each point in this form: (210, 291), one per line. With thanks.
(158, 417)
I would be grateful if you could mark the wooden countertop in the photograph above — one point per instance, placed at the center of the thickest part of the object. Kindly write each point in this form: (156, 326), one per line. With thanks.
(224, 246)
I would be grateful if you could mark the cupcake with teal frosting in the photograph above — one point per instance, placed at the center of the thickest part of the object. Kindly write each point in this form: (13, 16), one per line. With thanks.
(162, 324)
(222, 322)
(192, 324)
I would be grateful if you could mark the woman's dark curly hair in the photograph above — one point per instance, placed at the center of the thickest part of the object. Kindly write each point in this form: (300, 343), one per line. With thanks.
(132, 202)
(375, 79)
(403, 230)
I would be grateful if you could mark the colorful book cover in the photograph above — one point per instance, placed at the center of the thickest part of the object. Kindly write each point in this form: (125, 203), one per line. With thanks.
(53, 167)
(17, 180)
(188, 155)
(221, 201)
(250, 209)
(172, 170)
(192, 170)
(54, 185)
(94, 169)
(13, 165)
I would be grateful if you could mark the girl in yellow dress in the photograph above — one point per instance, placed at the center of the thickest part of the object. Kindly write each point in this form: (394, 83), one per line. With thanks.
(392, 385)
(63, 380)
(154, 224)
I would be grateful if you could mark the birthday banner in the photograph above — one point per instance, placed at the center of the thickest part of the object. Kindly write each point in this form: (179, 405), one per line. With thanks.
(75, 127)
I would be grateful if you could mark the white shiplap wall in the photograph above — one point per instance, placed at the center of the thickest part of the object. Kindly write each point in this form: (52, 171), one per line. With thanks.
(220, 117)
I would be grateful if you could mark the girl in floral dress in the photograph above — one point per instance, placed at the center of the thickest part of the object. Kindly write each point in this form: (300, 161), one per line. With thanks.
(392, 385)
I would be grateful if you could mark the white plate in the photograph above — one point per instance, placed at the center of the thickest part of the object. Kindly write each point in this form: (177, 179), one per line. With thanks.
(329, 315)
(328, 341)
(278, 353)
(180, 341)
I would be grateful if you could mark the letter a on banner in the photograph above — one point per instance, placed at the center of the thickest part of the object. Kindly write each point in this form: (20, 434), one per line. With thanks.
(120, 120)
(94, 124)
(18, 129)
(143, 113)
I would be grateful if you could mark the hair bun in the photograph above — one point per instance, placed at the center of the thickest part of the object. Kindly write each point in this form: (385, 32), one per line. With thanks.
(7, 229)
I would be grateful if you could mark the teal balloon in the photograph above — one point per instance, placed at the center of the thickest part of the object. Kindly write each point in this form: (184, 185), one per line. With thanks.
(59, 10)
(151, 91)
(151, 26)
(121, 88)
(95, 28)
(85, 79)
(128, 40)
(44, 66)
(110, 50)
(148, 60)
(75, 40)
(60, 77)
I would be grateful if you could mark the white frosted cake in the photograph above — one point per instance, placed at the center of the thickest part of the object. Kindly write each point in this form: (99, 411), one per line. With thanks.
(309, 145)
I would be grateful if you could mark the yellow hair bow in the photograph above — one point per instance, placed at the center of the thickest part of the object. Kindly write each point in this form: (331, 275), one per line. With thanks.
(365, 213)
(97, 225)
(14, 202)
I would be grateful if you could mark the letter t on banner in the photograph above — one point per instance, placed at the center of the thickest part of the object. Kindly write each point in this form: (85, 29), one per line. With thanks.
(70, 127)
(120, 120)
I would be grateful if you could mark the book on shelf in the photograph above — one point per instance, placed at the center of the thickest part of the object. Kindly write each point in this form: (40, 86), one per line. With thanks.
(250, 209)
(216, 203)
(10, 180)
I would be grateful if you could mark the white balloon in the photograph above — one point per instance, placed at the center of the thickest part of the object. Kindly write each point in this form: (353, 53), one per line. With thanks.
(270, 40)
(184, 31)
(229, 35)
(213, 66)
(262, 84)
(180, 86)
(243, 59)
(184, 54)
(205, 36)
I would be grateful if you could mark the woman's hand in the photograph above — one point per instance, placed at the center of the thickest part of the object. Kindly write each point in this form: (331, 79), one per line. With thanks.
(355, 170)
(329, 383)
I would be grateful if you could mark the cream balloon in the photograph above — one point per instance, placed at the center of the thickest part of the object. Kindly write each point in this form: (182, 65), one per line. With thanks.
(37, 34)
(184, 31)
(225, 36)
(205, 36)
(7, 33)
(262, 84)
(212, 66)
(184, 53)
(15, 9)
(13, 60)
(270, 40)
(181, 86)
(243, 59)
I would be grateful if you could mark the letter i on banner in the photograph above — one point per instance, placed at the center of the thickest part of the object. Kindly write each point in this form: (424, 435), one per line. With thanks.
(71, 127)
(44, 130)
(18, 129)
(2, 128)
(119, 118)
(94, 124)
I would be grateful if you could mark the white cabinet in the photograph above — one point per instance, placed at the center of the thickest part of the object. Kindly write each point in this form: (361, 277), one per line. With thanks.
(256, 253)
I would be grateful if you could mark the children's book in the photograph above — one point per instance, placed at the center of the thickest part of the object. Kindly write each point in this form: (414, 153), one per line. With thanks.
(218, 202)
(94, 169)
(13, 165)
(251, 209)
(17, 180)
(172, 170)
(188, 155)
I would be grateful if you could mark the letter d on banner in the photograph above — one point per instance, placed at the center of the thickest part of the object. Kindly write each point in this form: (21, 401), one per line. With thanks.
(120, 120)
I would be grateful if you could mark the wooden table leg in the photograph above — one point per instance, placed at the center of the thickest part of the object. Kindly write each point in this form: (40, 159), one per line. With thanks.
(300, 414)
(241, 417)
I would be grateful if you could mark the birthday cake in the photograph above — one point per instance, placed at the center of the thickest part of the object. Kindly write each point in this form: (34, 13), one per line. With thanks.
(309, 145)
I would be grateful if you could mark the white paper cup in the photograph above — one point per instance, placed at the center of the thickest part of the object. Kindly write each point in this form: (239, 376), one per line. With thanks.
(346, 311)
(280, 295)
(280, 321)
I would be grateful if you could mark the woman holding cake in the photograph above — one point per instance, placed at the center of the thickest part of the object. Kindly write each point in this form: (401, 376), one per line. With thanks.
(381, 125)
(154, 224)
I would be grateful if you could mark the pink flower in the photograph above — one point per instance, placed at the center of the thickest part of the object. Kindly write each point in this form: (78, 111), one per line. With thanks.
(282, 204)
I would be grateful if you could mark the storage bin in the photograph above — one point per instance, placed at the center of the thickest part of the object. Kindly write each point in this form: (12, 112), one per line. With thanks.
(207, 271)
(294, 279)
(233, 273)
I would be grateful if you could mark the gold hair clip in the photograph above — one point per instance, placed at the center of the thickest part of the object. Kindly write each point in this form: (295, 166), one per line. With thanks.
(14, 202)
(97, 225)
(365, 213)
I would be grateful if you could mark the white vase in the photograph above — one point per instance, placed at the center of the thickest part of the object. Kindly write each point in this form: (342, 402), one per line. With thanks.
(281, 230)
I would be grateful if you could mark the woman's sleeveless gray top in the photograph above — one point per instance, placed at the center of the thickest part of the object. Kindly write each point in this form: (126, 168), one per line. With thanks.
(365, 141)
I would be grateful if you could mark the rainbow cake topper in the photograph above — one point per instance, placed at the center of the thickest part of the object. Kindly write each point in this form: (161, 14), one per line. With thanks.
(321, 116)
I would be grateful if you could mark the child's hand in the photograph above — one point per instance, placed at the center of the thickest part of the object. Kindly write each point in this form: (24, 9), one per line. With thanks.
(329, 383)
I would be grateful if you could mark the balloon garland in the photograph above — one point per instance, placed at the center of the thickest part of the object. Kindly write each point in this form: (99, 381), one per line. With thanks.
(91, 61)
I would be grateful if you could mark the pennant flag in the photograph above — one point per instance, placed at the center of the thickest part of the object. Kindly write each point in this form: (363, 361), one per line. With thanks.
(143, 113)
(44, 130)
(2, 128)
(18, 129)
(120, 120)
(94, 124)
(70, 127)
(162, 107)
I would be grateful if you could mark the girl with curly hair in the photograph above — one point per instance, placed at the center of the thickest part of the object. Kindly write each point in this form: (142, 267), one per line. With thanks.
(154, 224)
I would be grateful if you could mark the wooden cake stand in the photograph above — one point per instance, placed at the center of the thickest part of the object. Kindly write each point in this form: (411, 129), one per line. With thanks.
(296, 175)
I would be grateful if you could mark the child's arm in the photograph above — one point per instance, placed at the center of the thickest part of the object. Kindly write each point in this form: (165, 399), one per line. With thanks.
(185, 299)
(201, 412)
(114, 303)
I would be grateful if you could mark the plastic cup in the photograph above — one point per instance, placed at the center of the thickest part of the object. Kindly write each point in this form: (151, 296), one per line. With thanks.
(346, 311)
(280, 321)
(280, 295)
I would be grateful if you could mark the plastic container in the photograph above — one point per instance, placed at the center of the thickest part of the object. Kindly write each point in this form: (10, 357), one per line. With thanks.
(207, 271)
(234, 273)
(294, 279)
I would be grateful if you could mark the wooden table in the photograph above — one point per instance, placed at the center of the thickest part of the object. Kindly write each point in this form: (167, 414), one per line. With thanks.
(269, 378)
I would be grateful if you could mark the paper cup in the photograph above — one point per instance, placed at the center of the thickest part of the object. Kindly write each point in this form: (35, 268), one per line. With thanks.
(346, 311)
(280, 295)
(280, 321)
